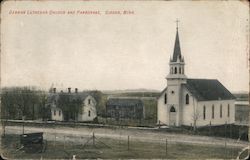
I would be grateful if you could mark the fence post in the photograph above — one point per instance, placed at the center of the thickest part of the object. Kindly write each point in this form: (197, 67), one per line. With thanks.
(93, 139)
(55, 140)
(63, 142)
(225, 139)
(128, 143)
(166, 147)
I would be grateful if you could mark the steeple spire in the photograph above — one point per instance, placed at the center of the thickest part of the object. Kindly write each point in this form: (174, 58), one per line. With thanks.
(177, 48)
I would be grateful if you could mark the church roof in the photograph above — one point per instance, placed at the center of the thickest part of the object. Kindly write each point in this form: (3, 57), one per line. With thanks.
(177, 48)
(208, 89)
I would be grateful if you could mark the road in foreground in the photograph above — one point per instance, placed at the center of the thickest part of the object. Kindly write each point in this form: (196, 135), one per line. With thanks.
(59, 134)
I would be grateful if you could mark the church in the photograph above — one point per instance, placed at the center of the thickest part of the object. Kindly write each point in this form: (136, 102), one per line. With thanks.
(192, 102)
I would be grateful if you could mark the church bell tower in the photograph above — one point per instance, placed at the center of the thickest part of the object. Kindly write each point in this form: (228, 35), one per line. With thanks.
(175, 79)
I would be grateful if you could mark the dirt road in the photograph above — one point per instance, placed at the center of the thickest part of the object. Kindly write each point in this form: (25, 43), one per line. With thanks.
(80, 135)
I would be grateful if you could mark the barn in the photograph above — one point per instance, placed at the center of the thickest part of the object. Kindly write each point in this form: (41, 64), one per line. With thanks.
(126, 108)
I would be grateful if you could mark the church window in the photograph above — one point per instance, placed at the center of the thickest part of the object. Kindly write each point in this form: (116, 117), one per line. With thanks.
(213, 112)
(88, 101)
(220, 111)
(228, 110)
(172, 109)
(89, 114)
(175, 70)
(187, 99)
(204, 112)
(180, 70)
(165, 98)
(183, 70)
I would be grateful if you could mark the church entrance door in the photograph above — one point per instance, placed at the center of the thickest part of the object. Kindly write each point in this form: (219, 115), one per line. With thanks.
(172, 116)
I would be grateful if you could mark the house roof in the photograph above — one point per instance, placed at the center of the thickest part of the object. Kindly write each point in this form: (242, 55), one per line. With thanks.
(72, 96)
(208, 89)
(124, 101)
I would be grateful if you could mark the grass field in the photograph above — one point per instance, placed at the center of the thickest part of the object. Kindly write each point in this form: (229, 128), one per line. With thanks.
(109, 148)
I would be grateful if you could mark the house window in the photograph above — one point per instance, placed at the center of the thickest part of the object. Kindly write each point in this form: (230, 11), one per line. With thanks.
(54, 112)
(213, 112)
(89, 114)
(187, 99)
(204, 112)
(175, 70)
(59, 113)
(228, 110)
(88, 101)
(165, 98)
(220, 111)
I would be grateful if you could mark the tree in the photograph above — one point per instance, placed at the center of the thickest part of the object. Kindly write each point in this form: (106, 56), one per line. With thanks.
(195, 116)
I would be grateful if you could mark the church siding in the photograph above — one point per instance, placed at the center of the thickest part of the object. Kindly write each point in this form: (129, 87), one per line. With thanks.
(162, 109)
(217, 120)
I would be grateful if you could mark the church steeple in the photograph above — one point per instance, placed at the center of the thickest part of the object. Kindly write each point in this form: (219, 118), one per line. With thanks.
(177, 63)
(177, 48)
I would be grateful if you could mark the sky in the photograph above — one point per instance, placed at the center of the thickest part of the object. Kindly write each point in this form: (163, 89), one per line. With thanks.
(117, 51)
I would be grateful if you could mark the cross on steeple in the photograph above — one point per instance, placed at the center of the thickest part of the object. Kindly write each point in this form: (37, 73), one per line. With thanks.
(177, 21)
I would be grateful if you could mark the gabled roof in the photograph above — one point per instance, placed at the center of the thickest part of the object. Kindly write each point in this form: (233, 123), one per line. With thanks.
(72, 96)
(208, 89)
(124, 101)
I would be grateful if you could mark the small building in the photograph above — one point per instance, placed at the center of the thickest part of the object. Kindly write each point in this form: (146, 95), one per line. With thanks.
(83, 105)
(124, 108)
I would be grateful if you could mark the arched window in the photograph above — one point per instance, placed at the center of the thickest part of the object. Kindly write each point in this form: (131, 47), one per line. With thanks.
(228, 110)
(212, 111)
(175, 70)
(204, 112)
(172, 109)
(187, 99)
(89, 114)
(180, 70)
(183, 70)
(165, 98)
(221, 111)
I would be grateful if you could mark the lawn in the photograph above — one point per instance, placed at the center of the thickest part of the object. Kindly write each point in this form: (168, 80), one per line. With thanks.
(110, 148)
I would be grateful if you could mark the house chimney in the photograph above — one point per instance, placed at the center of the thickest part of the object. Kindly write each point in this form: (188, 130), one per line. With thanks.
(69, 90)
(76, 90)
(54, 90)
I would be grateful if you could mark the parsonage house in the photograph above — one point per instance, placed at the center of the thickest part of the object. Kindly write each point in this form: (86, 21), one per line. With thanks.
(77, 106)
(193, 102)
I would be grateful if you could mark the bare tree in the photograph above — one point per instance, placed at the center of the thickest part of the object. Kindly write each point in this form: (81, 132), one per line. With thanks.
(196, 115)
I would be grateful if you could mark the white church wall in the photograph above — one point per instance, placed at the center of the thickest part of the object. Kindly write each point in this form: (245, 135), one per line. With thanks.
(188, 109)
(217, 120)
(162, 109)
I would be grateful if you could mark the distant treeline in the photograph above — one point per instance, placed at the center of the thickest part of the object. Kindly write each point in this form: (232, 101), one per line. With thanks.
(136, 94)
(241, 96)
(27, 102)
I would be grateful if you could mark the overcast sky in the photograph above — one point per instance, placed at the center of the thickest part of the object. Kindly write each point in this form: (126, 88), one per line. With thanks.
(109, 52)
